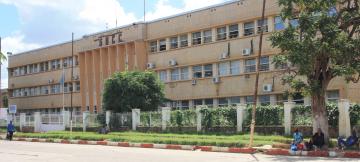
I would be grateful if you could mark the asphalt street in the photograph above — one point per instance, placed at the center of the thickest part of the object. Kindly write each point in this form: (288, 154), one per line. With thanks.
(15, 151)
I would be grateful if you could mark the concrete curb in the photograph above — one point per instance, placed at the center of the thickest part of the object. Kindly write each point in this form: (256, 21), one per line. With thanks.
(284, 152)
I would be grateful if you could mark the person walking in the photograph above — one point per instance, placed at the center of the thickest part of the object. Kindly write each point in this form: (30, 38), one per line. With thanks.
(10, 130)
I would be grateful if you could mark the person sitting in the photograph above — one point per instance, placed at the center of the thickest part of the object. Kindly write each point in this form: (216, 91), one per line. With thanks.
(350, 141)
(298, 138)
(104, 130)
(316, 140)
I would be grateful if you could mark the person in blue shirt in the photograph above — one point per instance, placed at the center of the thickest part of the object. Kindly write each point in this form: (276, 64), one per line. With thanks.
(298, 137)
(348, 142)
(10, 130)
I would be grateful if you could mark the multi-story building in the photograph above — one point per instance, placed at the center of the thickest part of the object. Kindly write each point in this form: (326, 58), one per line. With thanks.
(204, 57)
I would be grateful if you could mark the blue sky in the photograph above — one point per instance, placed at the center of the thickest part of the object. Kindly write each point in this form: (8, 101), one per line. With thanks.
(30, 24)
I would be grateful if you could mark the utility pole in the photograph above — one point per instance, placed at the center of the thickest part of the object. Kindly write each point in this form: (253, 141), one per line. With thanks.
(72, 79)
(252, 127)
(1, 101)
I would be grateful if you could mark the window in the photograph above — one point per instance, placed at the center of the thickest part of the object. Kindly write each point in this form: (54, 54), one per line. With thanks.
(46, 66)
(184, 104)
(70, 61)
(221, 33)
(76, 60)
(55, 89)
(248, 28)
(162, 44)
(163, 75)
(207, 36)
(197, 71)
(70, 87)
(264, 100)
(65, 62)
(58, 64)
(95, 109)
(235, 67)
(208, 70)
(184, 72)
(250, 65)
(264, 63)
(209, 102)
(66, 87)
(77, 84)
(281, 98)
(175, 74)
(174, 42)
(153, 46)
(223, 102)
(249, 100)
(223, 68)
(42, 67)
(279, 23)
(184, 40)
(30, 69)
(262, 26)
(196, 38)
(333, 96)
(294, 23)
(234, 31)
(53, 64)
(234, 101)
(198, 102)
(44, 90)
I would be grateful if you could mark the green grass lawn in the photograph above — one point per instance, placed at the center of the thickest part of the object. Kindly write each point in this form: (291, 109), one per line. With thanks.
(165, 138)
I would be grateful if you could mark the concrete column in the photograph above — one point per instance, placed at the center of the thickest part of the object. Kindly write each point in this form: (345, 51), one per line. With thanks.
(85, 120)
(107, 117)
(307, 101)
(241, 29)
(37, 122)
(240, 114)
(22, 120)
(191, 104)
(135, 118)
(167, 43)
(66, 118)
(213, 34)
(165, 117)
(189, 39)
(198, 118)
(287, 116)
(270, 23)
(273, 100)
(344, 118)
(216, 102)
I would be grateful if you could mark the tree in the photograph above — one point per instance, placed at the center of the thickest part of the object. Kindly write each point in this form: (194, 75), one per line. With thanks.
(129, 90)
(324, 44)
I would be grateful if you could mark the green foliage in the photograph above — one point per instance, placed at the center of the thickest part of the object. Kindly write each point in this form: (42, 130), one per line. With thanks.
(218, 117)
(165, 138)
(355, 114)
(265, 115)
(150, 119)
(129, 90)
(301, 115)
(101, 118)
(5, 101)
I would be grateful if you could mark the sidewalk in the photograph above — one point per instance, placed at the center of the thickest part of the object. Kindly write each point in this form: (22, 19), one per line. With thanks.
(264, 150)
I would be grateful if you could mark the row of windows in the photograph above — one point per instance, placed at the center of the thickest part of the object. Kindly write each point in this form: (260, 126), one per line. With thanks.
(224, 69)
(76, 110)
(332, 96)
(43, 66)
(45, 90)
(222, 33)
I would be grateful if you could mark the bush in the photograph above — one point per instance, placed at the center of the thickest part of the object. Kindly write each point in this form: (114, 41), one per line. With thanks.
(218, 117)
(265, 115)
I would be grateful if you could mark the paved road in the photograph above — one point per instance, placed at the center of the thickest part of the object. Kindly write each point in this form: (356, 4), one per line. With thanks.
(51, 152)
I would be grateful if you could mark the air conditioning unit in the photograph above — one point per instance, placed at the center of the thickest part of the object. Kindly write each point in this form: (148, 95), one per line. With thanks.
(246, 52)
(267, 88)
(216, 80)
(76, 77)
(193, 82)
(150, 65)
(224, 55)
(172, 62)
(51, 81)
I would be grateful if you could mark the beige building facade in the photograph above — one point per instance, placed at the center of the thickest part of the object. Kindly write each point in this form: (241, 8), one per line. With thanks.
(204, 57)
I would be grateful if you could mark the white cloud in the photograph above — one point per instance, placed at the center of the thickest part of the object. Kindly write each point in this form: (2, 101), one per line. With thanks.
(164, 8)
(15, 44)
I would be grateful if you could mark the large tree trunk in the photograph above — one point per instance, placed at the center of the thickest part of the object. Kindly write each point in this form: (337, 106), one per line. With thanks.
(319, 115)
